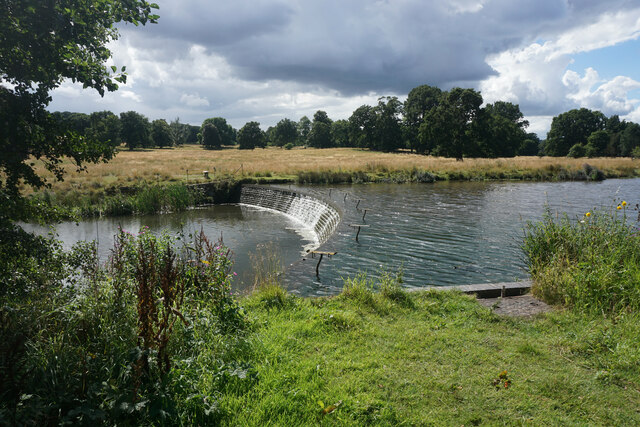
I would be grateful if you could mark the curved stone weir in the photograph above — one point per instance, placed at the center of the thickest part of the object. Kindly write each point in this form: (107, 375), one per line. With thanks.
(319, 216)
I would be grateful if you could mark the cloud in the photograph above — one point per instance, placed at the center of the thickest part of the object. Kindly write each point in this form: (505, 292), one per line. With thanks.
(194, 100)
(536, 76)
(268, 59)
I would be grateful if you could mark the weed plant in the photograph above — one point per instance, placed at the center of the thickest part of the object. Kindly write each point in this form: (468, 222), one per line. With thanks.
(152, 338)
(592, 263)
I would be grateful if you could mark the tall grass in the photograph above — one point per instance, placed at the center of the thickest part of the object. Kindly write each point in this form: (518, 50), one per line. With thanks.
(325, 165)
(143, 199)
(592, 263)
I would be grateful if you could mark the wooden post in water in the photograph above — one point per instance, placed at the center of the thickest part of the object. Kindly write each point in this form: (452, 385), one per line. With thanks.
(364, 214)
(357, 204)
(358, 226)
(313, 254)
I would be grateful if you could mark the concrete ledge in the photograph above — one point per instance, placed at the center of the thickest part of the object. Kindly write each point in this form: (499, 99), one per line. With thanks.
(485, 290)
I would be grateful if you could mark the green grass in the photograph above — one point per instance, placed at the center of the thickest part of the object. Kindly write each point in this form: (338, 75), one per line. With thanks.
(591, 263)
(363, 358)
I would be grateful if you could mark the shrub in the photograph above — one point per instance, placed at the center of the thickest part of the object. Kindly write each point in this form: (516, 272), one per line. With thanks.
(577, 150)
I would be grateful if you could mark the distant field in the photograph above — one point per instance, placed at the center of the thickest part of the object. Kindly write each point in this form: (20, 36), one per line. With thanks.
(188, 162)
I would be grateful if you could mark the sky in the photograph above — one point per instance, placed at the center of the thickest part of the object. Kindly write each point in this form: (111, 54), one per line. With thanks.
(265, 60)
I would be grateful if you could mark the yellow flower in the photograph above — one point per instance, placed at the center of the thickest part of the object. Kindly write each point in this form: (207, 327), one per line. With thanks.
(619, 207)
(588, 214)
(624, 203)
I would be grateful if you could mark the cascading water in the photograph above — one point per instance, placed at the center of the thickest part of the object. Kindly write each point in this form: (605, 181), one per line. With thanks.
(314, 214)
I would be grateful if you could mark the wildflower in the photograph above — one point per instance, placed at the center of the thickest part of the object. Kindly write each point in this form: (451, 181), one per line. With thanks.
(204, 261)
(624, 203)
(619, 207)
(235, 274)
(588, 214)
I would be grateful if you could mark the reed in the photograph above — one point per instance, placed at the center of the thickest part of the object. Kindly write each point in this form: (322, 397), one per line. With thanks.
(591, 263)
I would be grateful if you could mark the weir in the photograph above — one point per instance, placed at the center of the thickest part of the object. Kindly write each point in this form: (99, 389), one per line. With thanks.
(315, 214)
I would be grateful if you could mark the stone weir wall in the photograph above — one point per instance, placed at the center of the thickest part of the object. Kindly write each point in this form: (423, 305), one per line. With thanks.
(315, 214)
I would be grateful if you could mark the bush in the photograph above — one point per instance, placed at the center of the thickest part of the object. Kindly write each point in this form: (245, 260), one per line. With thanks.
(128, 343)
(288, 146)
(578, 150)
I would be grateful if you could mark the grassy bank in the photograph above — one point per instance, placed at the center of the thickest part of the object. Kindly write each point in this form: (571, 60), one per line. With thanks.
(155, 337)
(186, 164)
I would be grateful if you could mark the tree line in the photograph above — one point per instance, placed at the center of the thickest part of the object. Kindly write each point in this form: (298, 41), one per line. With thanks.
(431, 121)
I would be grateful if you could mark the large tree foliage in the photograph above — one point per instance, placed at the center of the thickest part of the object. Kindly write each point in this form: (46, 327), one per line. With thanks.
(320, 134)
(226, 131)
(387, 134)
(361, 126)
(135, 130)
(286, 132)
(105, 127)
(500, 129)
(161, 133)
(251, 136)
(571, 128)
(43, 42)
(419, 102)
(304, 127)
(211, 139)
(448, 129)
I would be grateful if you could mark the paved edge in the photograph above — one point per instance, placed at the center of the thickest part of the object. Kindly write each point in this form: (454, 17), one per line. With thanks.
(485, 290)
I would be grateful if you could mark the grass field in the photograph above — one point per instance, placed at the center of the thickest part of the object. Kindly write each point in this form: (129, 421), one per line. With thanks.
(188, 162)
(433, 358)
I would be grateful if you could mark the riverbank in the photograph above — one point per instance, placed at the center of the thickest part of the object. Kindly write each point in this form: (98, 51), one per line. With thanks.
(154, 180)
(156, 335)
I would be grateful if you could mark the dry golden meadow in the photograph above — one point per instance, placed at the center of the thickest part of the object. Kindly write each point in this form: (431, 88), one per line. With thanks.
(188, 162)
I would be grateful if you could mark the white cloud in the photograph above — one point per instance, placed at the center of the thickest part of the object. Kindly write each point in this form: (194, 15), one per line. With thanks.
(536, 76)
(194, 100)
(128, 94)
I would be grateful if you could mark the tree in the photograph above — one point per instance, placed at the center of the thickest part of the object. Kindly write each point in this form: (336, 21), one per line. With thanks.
(286, 132)
(630, 139)
(250, 136)
(571, 128)
(210, 136)
(597, 143)
(500, 130)
(419, 102)
(340, 133)
(161, 133)
(320, 135)
(362, 126)
(105, 127)
(530, 146)
(304, 127)
(448, 129)
(41, 44)
(321, 117)
(226, 131)
(387, 133)
(179, 132)
(135, 130)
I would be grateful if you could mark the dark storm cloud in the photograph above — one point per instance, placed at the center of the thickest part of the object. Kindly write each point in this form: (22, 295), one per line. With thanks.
(361, 46)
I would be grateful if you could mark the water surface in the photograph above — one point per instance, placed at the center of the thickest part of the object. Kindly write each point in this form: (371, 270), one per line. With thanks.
(439, 234)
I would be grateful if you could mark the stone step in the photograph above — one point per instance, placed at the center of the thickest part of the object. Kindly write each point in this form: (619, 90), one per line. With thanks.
(485, 290)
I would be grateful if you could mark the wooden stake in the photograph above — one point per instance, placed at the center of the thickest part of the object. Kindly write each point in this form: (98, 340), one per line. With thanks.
(329, 254)
(358, 226)
(364, 214)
